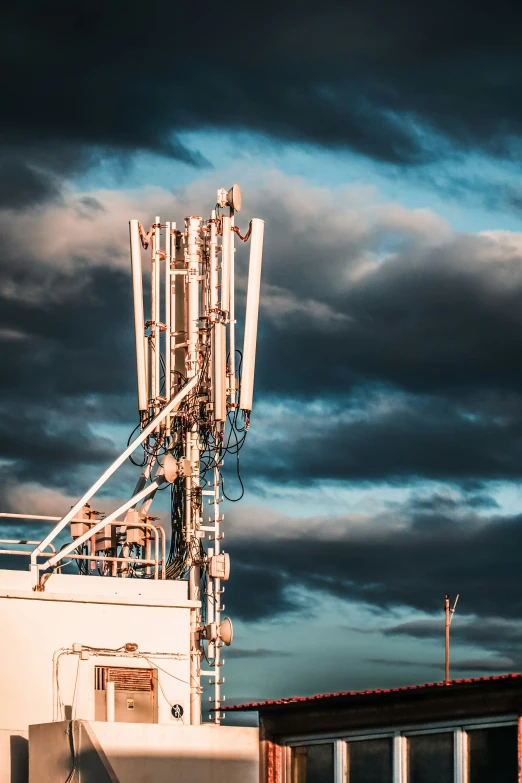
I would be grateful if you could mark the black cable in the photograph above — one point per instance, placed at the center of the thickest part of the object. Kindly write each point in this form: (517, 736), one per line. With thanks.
(217, 441)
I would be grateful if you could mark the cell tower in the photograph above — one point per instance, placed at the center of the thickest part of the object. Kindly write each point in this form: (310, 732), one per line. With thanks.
(195, 391)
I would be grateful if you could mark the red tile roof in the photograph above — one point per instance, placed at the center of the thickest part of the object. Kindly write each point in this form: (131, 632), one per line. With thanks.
(257, 705)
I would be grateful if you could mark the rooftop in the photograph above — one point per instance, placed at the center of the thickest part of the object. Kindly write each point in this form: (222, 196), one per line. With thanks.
(347, 696)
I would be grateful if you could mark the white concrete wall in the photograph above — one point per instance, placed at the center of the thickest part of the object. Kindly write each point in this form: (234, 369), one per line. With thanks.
(94, 611)
(146, 753)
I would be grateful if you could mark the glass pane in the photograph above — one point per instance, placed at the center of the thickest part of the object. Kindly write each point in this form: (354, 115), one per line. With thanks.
(430, 758)
(493, 755)
(313, 763)
(370, 761)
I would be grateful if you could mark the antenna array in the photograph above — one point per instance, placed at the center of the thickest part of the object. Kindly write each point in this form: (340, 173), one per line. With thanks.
(195, 392)
(191, 334)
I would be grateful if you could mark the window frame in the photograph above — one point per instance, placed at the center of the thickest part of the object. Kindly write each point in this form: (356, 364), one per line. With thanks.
(469, 728)
(400, 736)
(458, 761)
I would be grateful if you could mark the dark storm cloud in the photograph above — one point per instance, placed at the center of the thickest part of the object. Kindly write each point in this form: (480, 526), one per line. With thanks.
(492, 193)
(482, 665)
(499, 635)
(50, 447)
(72, 339)
(24, 185)
(406, 334)
(68, 350)
(487, 630)
(425, 319)
(413, 562)
(32, 170)
(409, 438)
(254, 596)
(414, 360)
(363, 76)
(91, 205)
(260, 652)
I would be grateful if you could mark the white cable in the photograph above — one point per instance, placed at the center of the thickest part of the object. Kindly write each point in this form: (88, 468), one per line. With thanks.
(73, 703)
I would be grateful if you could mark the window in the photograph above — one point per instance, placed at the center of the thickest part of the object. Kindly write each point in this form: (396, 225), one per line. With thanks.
(313, 763)
(426, 755)
(370, 761)
(492, 755)
(430, 758)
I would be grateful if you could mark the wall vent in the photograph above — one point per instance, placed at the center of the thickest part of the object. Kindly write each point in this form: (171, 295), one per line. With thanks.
(124, 678)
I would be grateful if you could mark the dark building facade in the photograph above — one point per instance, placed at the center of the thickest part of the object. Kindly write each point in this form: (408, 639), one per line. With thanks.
(463, 731)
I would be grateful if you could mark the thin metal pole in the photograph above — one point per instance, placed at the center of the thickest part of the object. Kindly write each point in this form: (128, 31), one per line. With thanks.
(21, 551)
(219, 364)
(447, 628)
(218, 590)
(157, 318)
(146, 351)
(153, 319)
(193, 224)
(23, 541)
(171, 293)
(167, 318)
(213, 264)
(232, 316)
(110, 699)
(37, 516)
(192, 453)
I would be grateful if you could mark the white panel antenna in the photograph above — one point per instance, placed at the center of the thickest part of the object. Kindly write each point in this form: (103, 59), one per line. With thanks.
(137, 287)
(225, 263)
(251, 316)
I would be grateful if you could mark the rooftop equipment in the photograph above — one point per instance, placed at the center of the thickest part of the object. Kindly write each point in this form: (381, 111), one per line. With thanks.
(195, 397)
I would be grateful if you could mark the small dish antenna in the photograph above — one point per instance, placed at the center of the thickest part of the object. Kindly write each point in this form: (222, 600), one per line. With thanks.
(226, 631)
(170, 468)
(230, 198)
(223, 631)
(234, 198)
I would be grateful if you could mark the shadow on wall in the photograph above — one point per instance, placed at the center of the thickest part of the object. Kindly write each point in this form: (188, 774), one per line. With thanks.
(19, 747)
(89, 768)
(156, 768)
(91, 752)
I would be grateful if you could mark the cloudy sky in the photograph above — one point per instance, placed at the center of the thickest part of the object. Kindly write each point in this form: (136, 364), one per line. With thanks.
(381, 144)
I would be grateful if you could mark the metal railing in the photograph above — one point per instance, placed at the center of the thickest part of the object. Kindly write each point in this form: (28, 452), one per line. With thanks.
(155, 557)
(20, 543)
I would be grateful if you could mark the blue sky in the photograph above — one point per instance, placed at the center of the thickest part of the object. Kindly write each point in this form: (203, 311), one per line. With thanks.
(468, 204)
